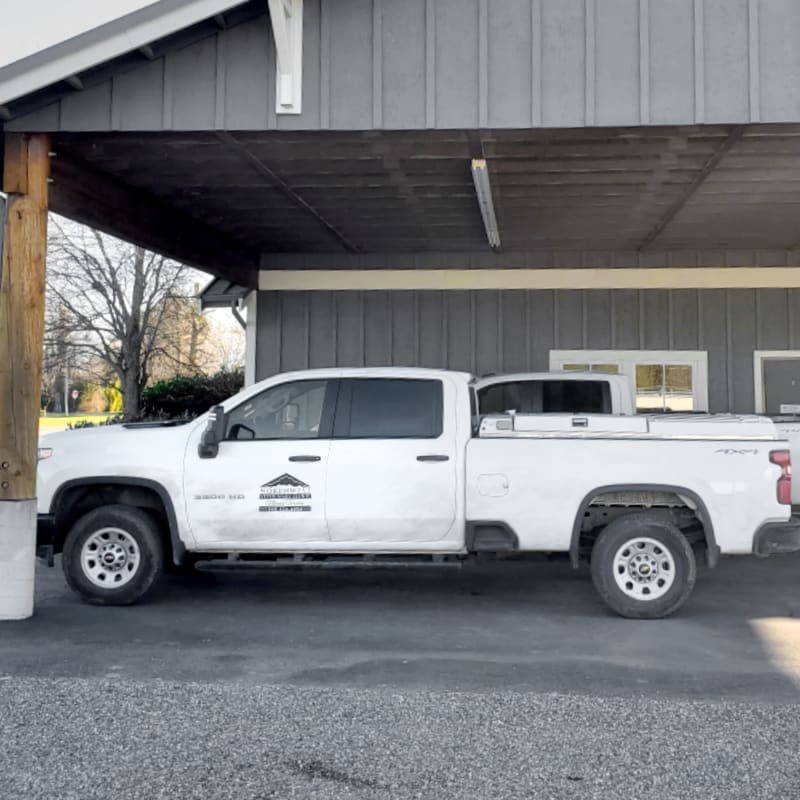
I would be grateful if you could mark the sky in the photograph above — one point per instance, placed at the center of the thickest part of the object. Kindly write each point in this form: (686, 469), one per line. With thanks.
(33, 25)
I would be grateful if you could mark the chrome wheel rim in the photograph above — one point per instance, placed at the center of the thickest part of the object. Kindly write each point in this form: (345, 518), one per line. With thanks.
(644, 569)
(110, 558)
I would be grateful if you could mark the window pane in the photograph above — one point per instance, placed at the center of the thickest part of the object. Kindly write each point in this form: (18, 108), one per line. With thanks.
(678, 387)
(287, 411)
(576, 367)
(650, 387)
(549, 397)
(395, 409)
(576, 397)
(664, 387)
(524, 397)
(610, 369)
(678, 378)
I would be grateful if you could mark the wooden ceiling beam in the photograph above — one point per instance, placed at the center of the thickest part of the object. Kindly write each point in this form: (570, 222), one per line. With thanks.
(274, 180)
(710, 165)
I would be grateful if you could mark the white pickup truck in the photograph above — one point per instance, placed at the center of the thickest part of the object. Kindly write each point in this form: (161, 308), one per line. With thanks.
(393, 464)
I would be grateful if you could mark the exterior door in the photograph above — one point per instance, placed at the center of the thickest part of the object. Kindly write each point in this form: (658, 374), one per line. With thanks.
(266, 486)
(392, 463)
(781, 385)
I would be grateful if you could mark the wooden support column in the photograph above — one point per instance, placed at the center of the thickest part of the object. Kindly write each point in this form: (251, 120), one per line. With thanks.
(26, 169)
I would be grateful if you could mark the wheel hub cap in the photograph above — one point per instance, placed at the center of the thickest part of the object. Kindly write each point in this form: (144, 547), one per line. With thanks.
(644, 568)
(110, 557)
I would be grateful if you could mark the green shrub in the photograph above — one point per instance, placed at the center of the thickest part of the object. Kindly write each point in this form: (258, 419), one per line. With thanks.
(189, 396)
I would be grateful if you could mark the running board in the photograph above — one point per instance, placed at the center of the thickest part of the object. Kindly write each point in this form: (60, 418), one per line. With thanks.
(304, 561)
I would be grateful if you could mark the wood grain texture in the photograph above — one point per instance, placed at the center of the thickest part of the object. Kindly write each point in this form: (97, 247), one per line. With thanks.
(22, 316)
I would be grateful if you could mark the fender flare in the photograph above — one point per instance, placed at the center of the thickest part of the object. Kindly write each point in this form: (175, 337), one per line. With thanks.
(177, 544)
(712, 548)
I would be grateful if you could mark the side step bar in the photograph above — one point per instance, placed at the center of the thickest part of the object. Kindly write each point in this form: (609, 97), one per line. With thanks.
(306, 561)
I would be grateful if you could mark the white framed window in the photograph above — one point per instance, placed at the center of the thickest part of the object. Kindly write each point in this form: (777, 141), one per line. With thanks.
(776, 375)
(661, 380)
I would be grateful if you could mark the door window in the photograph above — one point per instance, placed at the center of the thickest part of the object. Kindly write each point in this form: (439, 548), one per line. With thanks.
(388, 408)
(287, 411)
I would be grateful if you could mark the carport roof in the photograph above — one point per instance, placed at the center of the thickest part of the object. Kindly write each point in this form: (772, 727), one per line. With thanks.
(230, 200)
(222, 199)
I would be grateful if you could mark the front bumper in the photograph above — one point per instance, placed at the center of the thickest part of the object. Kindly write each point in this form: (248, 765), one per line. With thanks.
(776, 538)
(45, 537)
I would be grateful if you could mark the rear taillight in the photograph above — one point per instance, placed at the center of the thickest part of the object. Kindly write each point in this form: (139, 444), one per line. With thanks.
(784, 460)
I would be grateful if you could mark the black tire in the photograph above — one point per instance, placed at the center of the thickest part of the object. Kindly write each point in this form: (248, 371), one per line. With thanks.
(610, 543)
(132, 522)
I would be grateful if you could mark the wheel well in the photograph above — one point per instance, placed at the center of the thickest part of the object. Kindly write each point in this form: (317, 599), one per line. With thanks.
(77, 500)
(679, 506)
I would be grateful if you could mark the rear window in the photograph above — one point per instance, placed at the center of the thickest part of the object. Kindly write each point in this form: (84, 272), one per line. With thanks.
(546, 397)
(388, 408)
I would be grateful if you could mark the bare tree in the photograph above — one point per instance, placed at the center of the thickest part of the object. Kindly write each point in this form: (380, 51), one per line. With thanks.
(114, 302)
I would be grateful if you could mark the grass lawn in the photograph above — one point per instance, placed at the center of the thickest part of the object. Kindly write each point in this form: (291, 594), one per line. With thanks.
(59, 422)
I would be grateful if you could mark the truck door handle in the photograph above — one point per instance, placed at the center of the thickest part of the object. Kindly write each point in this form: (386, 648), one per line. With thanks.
(580, 422)
(305, 458)
(433, 458)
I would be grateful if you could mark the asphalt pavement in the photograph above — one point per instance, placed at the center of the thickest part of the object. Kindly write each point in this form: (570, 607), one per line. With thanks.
(503, 680)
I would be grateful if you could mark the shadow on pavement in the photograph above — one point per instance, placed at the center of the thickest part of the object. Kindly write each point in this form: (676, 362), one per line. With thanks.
(532, 626)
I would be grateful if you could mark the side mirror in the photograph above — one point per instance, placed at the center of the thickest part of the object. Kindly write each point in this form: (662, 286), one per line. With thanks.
(212, 435)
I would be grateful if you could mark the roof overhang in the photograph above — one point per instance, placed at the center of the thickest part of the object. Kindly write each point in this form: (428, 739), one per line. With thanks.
(221, 293)
(105, 43)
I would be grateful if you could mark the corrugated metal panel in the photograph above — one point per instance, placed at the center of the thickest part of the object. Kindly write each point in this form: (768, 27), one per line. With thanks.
(473, 64)
(726, 40)
(514, 331)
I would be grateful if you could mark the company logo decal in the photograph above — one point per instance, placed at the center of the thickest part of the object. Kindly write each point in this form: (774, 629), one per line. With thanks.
(285, 493)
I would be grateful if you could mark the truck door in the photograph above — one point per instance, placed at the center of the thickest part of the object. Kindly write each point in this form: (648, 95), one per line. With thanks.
(393, 461)
(266, 486)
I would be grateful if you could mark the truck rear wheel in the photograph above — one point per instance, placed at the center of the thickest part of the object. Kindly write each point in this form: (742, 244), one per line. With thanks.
(643, 567)
(113, 555)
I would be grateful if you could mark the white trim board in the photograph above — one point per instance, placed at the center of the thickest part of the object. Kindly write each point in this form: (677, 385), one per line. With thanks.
(759, 357)
(442, 279)
(250, 338)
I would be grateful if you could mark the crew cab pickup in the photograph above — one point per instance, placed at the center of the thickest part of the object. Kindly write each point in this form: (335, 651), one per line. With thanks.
(383, 464)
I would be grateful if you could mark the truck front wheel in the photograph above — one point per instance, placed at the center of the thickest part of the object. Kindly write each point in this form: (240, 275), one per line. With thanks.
(113, 555)
(643, 567)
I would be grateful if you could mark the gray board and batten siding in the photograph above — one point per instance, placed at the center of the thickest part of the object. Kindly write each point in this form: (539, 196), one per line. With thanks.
(421, 64)
(507, 331)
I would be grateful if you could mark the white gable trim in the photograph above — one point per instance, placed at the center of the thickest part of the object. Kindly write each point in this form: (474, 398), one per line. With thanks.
(148, 24)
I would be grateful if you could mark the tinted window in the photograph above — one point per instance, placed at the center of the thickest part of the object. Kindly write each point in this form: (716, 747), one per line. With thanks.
(287, 411)
(394, 409)
(546, 397)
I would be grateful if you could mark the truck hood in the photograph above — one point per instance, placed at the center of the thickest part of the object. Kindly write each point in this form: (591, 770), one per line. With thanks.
(115, 435)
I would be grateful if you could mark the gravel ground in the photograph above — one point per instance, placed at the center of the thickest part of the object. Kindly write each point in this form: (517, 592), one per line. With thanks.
(504, 681)
(85, 739)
